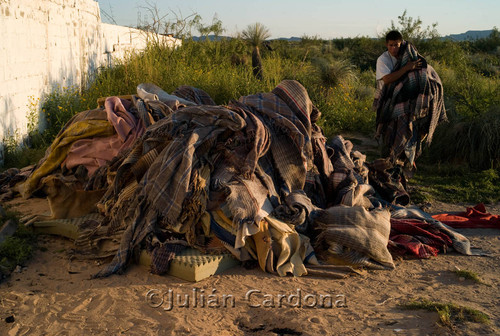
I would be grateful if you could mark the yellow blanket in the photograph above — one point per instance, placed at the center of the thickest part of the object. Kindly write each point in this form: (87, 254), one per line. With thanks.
(58, 151)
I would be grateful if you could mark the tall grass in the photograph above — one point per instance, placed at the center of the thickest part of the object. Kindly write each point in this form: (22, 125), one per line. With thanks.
(339, 76)
(472, 135)
(209, 65)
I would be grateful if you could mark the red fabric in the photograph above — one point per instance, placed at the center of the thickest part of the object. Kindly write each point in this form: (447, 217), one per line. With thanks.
(475, 217)
(416, 238)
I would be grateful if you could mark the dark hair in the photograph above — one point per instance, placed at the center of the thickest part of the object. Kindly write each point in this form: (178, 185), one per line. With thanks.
(393, 35)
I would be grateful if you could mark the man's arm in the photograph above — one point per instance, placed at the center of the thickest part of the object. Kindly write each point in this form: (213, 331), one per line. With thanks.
(394, 76)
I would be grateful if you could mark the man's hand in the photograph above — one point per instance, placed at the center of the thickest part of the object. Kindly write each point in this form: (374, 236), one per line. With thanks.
(413, 65)
(394, 76)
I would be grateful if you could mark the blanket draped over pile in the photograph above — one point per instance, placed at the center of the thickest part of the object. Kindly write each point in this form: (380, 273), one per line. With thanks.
(255, 177)
(409, 109)
(90, 138)
(248, 177)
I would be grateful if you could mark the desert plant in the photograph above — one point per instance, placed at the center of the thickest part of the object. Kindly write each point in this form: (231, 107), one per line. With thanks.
(335, 71)
(412, 28)
(18, 248)
(466, 274)
(255, 34)
(449, 313)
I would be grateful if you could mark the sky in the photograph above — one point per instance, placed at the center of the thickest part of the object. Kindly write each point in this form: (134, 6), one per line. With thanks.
(325, 19)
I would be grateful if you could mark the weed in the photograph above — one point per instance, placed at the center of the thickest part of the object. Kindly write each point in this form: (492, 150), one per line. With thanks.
(18, 248)
(466, 274)
(449, 313)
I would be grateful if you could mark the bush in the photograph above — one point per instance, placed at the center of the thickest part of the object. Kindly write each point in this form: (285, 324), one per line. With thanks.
(474, 141)
(338, 74)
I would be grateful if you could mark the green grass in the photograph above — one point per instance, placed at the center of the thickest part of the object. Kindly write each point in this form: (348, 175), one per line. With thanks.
(470, 275)
(449, 313)
(454, 184)
(18, 248)
(19, 157)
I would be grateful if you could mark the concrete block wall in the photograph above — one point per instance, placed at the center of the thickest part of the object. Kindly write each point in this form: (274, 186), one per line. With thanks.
(118, 41)
(49, 43)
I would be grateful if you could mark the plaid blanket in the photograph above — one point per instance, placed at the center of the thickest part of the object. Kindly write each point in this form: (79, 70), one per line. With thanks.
(189, 134)
(409, 109)
(354, 236)
(258, 156)
(459, 242)
(416, 238)
(259, 149)
(287, 112)
(348, 185)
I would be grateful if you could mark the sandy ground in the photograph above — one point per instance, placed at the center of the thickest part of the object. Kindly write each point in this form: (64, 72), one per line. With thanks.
(54, 295)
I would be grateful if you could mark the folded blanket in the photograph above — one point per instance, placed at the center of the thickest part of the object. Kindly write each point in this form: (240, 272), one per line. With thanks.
(355, 236)
(417, 238)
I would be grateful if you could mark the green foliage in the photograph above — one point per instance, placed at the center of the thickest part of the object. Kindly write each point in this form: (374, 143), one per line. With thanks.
(466, 274)
(18, 154)
(343, 109)
(449, 313)
(21, 156)
(255, 34)
(18, 248)
(488, 44)
(59, 106)
(335, 71)
(412, 28)
(361, 51)
(455, 183)
(471, 141)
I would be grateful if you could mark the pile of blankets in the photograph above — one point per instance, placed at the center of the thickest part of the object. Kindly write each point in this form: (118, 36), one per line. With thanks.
(255, 177)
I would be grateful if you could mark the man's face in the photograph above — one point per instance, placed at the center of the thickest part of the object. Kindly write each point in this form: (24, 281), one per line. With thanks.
(393, 47)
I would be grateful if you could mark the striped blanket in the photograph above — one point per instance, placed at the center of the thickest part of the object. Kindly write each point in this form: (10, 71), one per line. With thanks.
(253, 152)
(247, 176)
(409, 109)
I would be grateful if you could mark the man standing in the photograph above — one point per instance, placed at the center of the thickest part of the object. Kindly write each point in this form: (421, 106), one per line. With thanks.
(408, 100)
(388, 60)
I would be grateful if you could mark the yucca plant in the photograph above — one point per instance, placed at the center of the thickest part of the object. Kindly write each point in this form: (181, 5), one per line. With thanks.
(256, 34)
(336, 71)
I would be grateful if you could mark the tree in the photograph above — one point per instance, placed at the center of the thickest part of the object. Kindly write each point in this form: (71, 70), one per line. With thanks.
(215, 27)
(412, 29)
(256, 34)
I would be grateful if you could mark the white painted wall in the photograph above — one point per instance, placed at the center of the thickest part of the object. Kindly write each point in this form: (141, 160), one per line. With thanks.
(50, 43)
